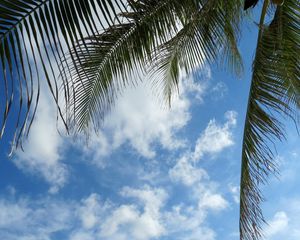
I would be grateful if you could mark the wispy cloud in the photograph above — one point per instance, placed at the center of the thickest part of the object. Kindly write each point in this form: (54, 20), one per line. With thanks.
(214, 139)
(235, 191)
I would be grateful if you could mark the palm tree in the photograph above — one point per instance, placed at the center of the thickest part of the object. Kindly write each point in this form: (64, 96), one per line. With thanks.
(97, 45)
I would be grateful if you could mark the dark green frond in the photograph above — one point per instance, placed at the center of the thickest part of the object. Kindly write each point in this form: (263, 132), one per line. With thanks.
(207, 35)
(274, 92)
(34, 37)
(106, 65)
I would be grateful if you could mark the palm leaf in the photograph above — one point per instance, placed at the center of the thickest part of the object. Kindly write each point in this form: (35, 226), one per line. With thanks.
(210, 33)
(274, 93)
(106, 65)
(34, 36)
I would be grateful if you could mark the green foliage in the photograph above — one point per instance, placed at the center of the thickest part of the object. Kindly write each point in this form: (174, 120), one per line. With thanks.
(274, 93)
(35, 36)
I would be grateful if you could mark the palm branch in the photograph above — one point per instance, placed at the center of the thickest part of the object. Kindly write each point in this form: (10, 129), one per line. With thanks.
(34, 36)
(154, 33)
(274, 94)
(209, 35)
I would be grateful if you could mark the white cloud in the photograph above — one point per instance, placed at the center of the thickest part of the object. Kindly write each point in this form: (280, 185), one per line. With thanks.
(235, 191)
(153, 199)
(138, 119)
(215, 137)
(125, 214)
(43, 149)
(90, 211)
(285, 222)
(278, 224)
(144, 215)
(185, 172)
(96, 148)
(212, 201)
(137, 224)
(188, 222)
(24, 219)
(201, 233)
(198, 89)
(45, 146)
(183, 219)
(141, 121)
(213, 140)
(12, 214)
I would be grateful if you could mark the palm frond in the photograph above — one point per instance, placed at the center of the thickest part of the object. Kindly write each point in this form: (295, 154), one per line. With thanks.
(34, 36)
(208, 34)
(106, 65)
(274, 94)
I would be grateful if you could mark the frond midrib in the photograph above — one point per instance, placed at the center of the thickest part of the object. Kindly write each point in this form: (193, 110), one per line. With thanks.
(247, 126)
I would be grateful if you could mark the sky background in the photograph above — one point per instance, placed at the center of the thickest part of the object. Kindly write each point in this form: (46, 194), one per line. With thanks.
(151, 172)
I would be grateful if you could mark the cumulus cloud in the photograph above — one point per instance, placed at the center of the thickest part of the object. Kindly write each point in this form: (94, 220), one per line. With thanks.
(278, 224)
(215, 138)
(138, 119)
(141, 119)
(24, 219)
(212, 201)
(142, 122)
(188, 222)
(152, 199)
(44, 148)
(285, 222)
(82, 236)
(144, 215)
(140, 224)
(184, 171)
(197, 88)
(124, 215)
(12, 214)
(90, 211)
(87, 219)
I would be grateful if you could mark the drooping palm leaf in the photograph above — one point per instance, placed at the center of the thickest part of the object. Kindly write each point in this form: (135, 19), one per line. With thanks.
(34, 36)
(206, 33)
(106, 65)
(274, 92)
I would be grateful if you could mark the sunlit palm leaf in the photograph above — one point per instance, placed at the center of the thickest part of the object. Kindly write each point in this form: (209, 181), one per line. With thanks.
(274, 92)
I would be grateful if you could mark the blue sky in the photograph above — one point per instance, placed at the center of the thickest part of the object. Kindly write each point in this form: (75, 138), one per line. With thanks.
(150, 173)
